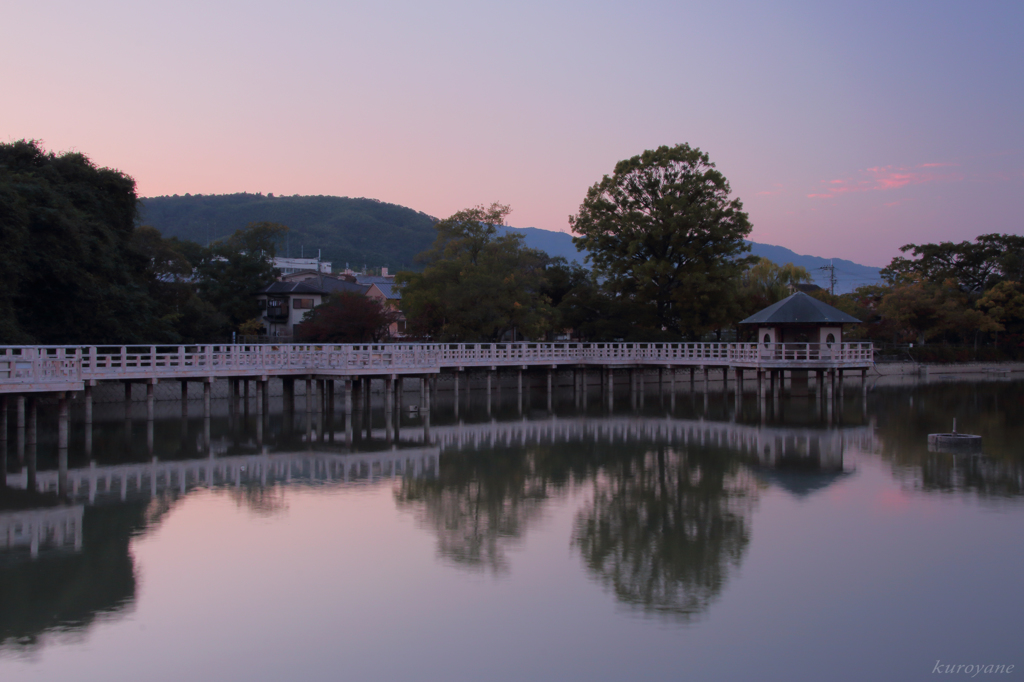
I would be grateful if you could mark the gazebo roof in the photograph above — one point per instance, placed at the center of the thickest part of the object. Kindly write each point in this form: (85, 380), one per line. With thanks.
(800, 309)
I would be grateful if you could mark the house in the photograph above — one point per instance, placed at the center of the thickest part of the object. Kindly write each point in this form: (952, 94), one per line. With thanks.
(389, 297)
(283, 304)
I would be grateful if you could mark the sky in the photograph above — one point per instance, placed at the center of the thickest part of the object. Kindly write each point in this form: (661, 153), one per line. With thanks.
(847, 129)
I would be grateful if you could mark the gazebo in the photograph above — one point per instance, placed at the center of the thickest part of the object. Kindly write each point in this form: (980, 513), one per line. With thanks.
(801, 333)
(800, 319)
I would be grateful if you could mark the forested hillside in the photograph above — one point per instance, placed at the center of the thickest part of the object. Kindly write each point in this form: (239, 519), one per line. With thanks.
(369, 232)
(355, 231)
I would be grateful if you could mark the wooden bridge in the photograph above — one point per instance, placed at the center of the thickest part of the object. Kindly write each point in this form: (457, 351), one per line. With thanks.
(33, 369)
(28, 371)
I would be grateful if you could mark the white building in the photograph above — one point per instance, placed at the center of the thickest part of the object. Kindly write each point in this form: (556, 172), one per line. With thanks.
(289, 265)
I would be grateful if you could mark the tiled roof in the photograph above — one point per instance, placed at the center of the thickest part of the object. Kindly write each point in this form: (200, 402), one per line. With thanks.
(388, 289)
(800, 309)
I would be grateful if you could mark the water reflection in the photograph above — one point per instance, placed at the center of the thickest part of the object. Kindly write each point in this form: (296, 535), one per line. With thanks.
(665, 494)
(993, 410)
(665, 527)
(67, 588)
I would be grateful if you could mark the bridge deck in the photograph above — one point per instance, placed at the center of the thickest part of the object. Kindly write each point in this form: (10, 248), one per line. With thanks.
(68, 368)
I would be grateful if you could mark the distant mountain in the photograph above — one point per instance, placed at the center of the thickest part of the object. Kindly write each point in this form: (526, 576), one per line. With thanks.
(849, 275)
(355, 231)
(369, 232)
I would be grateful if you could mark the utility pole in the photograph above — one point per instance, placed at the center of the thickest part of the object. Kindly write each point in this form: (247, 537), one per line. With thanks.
(831, 267)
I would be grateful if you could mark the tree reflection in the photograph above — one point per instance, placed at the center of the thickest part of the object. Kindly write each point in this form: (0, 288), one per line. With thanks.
(65, 591)
(479, 506)
(260, 500)
(664, 530)
(662, 527)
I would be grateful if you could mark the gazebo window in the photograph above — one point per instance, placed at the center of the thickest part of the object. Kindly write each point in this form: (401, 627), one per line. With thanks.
(767, 339)
(830, 339)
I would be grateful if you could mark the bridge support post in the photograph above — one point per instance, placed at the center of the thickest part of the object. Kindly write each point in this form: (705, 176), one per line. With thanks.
(3, 441)
(725, 380)
(610, 387)
(207, 389)
(519, 389)
(706, 384)
(738, 393)
(641, 384)
(127, 400)
(389, 393)
(245, 394)
(260, 389)
(309, 395)
(184, 399)
(62, 444)
(30, 440)
(20, 424)
(150, 400)
(692, 372)
(583, 386)
(550, 387)
(288, 391)
(672, 381)
(864, 393)
(88, 404)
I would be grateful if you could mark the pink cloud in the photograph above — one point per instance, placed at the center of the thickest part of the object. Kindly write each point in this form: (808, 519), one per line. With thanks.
(883, 178)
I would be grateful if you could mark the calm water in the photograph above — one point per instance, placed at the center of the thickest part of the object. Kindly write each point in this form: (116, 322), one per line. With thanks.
(669, 541)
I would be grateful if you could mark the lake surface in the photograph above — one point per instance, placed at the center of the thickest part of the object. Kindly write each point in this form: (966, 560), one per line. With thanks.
(680, 539)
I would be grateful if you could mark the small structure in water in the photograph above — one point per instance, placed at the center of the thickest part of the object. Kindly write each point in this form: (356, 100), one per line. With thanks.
(957, 443)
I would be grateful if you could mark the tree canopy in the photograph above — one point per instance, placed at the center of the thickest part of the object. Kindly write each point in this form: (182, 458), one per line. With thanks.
(664, 233)
(68, 270)
(478, 284)
(346, 317)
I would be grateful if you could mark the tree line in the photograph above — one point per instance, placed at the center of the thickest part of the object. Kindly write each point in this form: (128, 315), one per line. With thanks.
(663, 237)
(75, 268)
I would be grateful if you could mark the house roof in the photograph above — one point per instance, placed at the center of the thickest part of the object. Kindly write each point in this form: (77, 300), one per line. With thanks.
(333, 285)
(800, 309)
(388, 289)
(291, 288)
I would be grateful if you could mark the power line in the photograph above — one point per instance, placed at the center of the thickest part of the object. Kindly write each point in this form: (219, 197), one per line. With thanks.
(831, 275)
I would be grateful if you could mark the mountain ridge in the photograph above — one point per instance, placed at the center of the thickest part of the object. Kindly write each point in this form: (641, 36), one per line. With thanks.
(368, 232)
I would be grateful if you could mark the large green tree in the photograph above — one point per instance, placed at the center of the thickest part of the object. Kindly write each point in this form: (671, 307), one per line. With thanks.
(664, 233)
(69, 272)
(477, 284)
(973, 266)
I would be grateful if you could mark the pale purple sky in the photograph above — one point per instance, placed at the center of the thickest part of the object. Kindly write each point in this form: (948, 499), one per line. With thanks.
(847, 129)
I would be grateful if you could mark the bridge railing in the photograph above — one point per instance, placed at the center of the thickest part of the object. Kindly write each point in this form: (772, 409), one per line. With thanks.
(41, 365)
